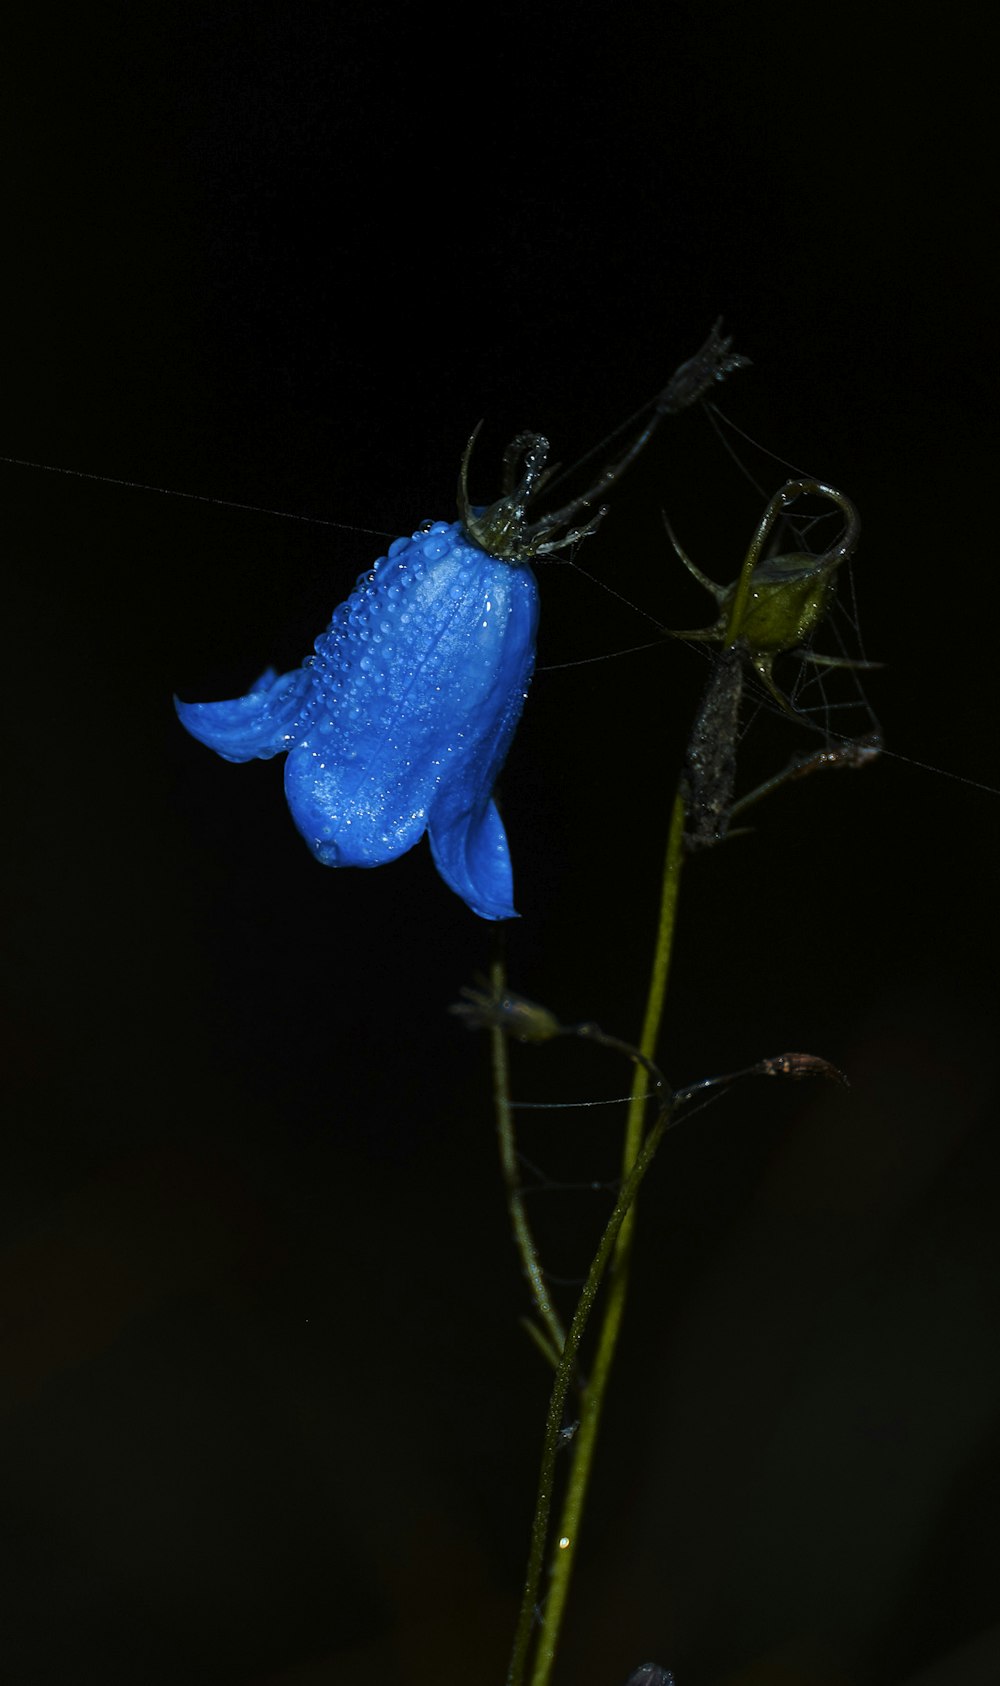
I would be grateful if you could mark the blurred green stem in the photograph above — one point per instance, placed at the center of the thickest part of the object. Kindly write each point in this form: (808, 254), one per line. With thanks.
(613, 1255)
(523, 1238)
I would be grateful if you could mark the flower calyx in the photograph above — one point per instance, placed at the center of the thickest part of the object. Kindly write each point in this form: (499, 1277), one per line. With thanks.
(777, 602)
(507, 530)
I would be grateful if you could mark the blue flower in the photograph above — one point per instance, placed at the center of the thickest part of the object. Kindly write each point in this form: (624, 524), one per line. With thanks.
(400, 721)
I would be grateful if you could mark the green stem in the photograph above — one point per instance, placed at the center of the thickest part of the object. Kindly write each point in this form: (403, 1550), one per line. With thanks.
(523, 1238)
(565, 1374)
(614, 1250)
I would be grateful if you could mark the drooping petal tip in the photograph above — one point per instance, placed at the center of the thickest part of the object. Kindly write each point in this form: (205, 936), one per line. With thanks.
(248, 727)
(472, 855)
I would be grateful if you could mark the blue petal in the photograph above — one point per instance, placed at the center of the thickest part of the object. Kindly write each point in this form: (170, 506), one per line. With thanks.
(349, 815)
(401, 719)
(418, 686)
(472, 856)
(251, 726)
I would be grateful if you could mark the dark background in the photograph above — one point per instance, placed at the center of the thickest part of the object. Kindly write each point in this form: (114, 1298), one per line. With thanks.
(267, 1412)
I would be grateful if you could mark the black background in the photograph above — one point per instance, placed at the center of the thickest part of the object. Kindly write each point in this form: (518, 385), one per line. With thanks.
(268, 1415)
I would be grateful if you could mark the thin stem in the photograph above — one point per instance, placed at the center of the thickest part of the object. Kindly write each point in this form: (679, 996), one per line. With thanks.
(594, 1033)
(615, 1249)
(523, 1238)
(662, 953)
(564, 1376)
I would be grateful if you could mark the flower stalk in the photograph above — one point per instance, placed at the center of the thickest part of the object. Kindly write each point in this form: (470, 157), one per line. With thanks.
(613, 1254)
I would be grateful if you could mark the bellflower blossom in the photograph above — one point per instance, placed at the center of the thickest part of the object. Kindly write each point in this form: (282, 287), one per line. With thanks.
(400, 720)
